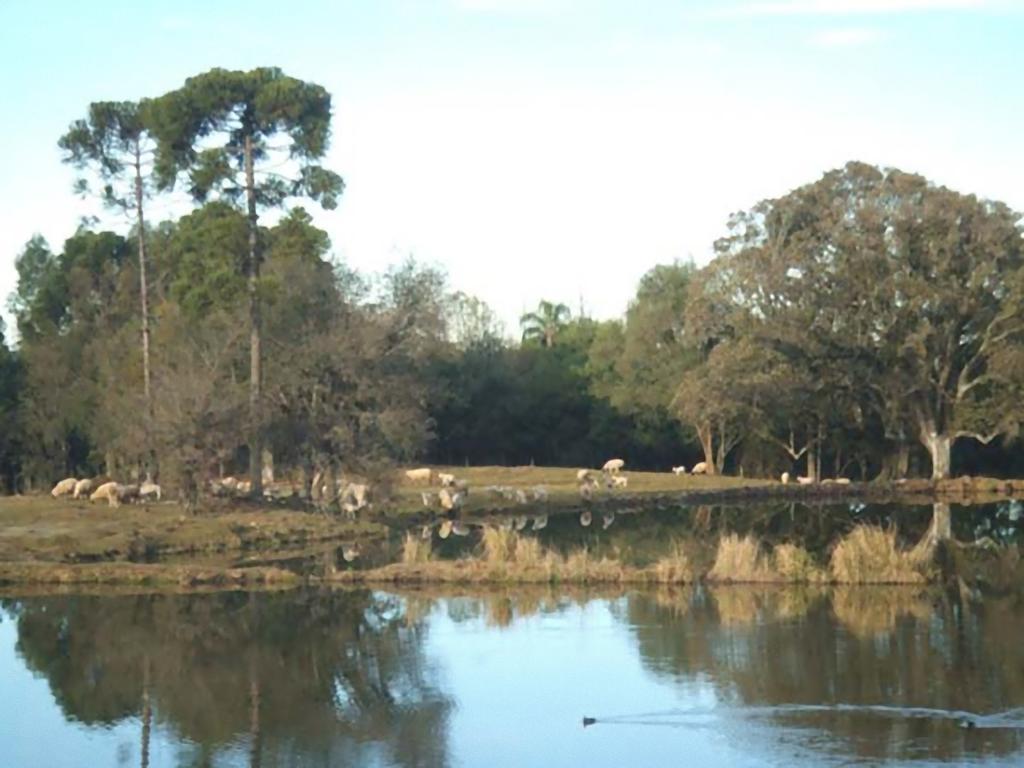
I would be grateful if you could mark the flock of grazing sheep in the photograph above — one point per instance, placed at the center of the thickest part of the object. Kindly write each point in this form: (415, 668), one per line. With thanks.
(353, 497)
(114, 493)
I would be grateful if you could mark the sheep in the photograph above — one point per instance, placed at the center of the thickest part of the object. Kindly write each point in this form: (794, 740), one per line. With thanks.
(106, 491)
(680, 470)
(429, 498)
(522, 496)
(445, 479)
(842, 481)
(357, 494)
(785, 478)
(582, 474)
(149, 489)
(495, 491)
(350, 552)
(804, 480)
(243, 487)
(126, 493)
(700, 468)
(619, 481)
(424, 474)
(613, 466)
(64, 487)
(540, 493)
(82, 488)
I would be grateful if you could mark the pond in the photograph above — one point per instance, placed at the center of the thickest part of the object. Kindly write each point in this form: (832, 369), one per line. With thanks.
(696, 675)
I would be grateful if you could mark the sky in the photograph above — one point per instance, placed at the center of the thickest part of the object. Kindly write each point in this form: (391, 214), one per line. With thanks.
(542, 149)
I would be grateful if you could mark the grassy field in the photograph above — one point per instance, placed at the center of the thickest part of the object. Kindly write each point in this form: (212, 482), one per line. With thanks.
(43, 529)
(561, 485)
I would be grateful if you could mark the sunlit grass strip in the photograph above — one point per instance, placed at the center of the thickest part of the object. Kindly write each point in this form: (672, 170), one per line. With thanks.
(509, 557)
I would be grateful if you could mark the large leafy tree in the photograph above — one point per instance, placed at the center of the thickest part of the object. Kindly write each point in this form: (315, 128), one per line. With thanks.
(113, 142)
(546, 323)
(891, 291)
(256, 138)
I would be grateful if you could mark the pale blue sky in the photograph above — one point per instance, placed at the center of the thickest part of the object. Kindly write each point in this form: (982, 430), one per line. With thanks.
(545, 148)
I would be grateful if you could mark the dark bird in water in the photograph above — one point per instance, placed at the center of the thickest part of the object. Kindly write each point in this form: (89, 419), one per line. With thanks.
(589, 721)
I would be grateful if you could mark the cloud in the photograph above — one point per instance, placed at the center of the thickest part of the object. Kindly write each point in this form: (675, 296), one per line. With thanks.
(851, 7)
(846, 37)
(508, 6)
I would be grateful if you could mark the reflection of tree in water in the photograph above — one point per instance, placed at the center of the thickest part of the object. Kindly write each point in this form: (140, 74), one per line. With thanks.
(917, 650)
(308, 678)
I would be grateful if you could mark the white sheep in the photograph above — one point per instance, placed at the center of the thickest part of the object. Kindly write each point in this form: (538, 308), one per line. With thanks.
(620, 481)
(582, 475)
(804, 480)
(350, 552)
(680, 470)
(106, 491)
(149, 489)
(421, 475)
(82, 488)
(785, 478)
(842, 481)
(445, 479)
(700, 468)
(64, 487)
(522, 496)
(613, 466)
(540, 493)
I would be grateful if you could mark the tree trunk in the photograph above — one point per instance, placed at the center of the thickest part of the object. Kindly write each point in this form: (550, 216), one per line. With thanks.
(706, 437)
(940, 448)
(255, 362)
(144, 300)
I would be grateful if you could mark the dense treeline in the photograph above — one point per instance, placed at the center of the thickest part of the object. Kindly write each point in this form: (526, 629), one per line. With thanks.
(865, 324)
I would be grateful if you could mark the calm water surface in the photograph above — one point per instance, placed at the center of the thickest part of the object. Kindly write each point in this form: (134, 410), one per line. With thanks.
(728, 676)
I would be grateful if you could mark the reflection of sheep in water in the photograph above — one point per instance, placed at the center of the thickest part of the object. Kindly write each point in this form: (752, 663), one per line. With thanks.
(540, 522)
(607, 520)
(586, 518)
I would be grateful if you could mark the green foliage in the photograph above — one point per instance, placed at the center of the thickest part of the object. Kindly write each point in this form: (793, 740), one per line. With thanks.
(544, 325)
(228, 108)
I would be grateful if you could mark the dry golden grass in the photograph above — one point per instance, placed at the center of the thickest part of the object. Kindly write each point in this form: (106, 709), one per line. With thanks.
(416, 550)
(794, 564)
(676, 567)
(741, 560)
(870, 555)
